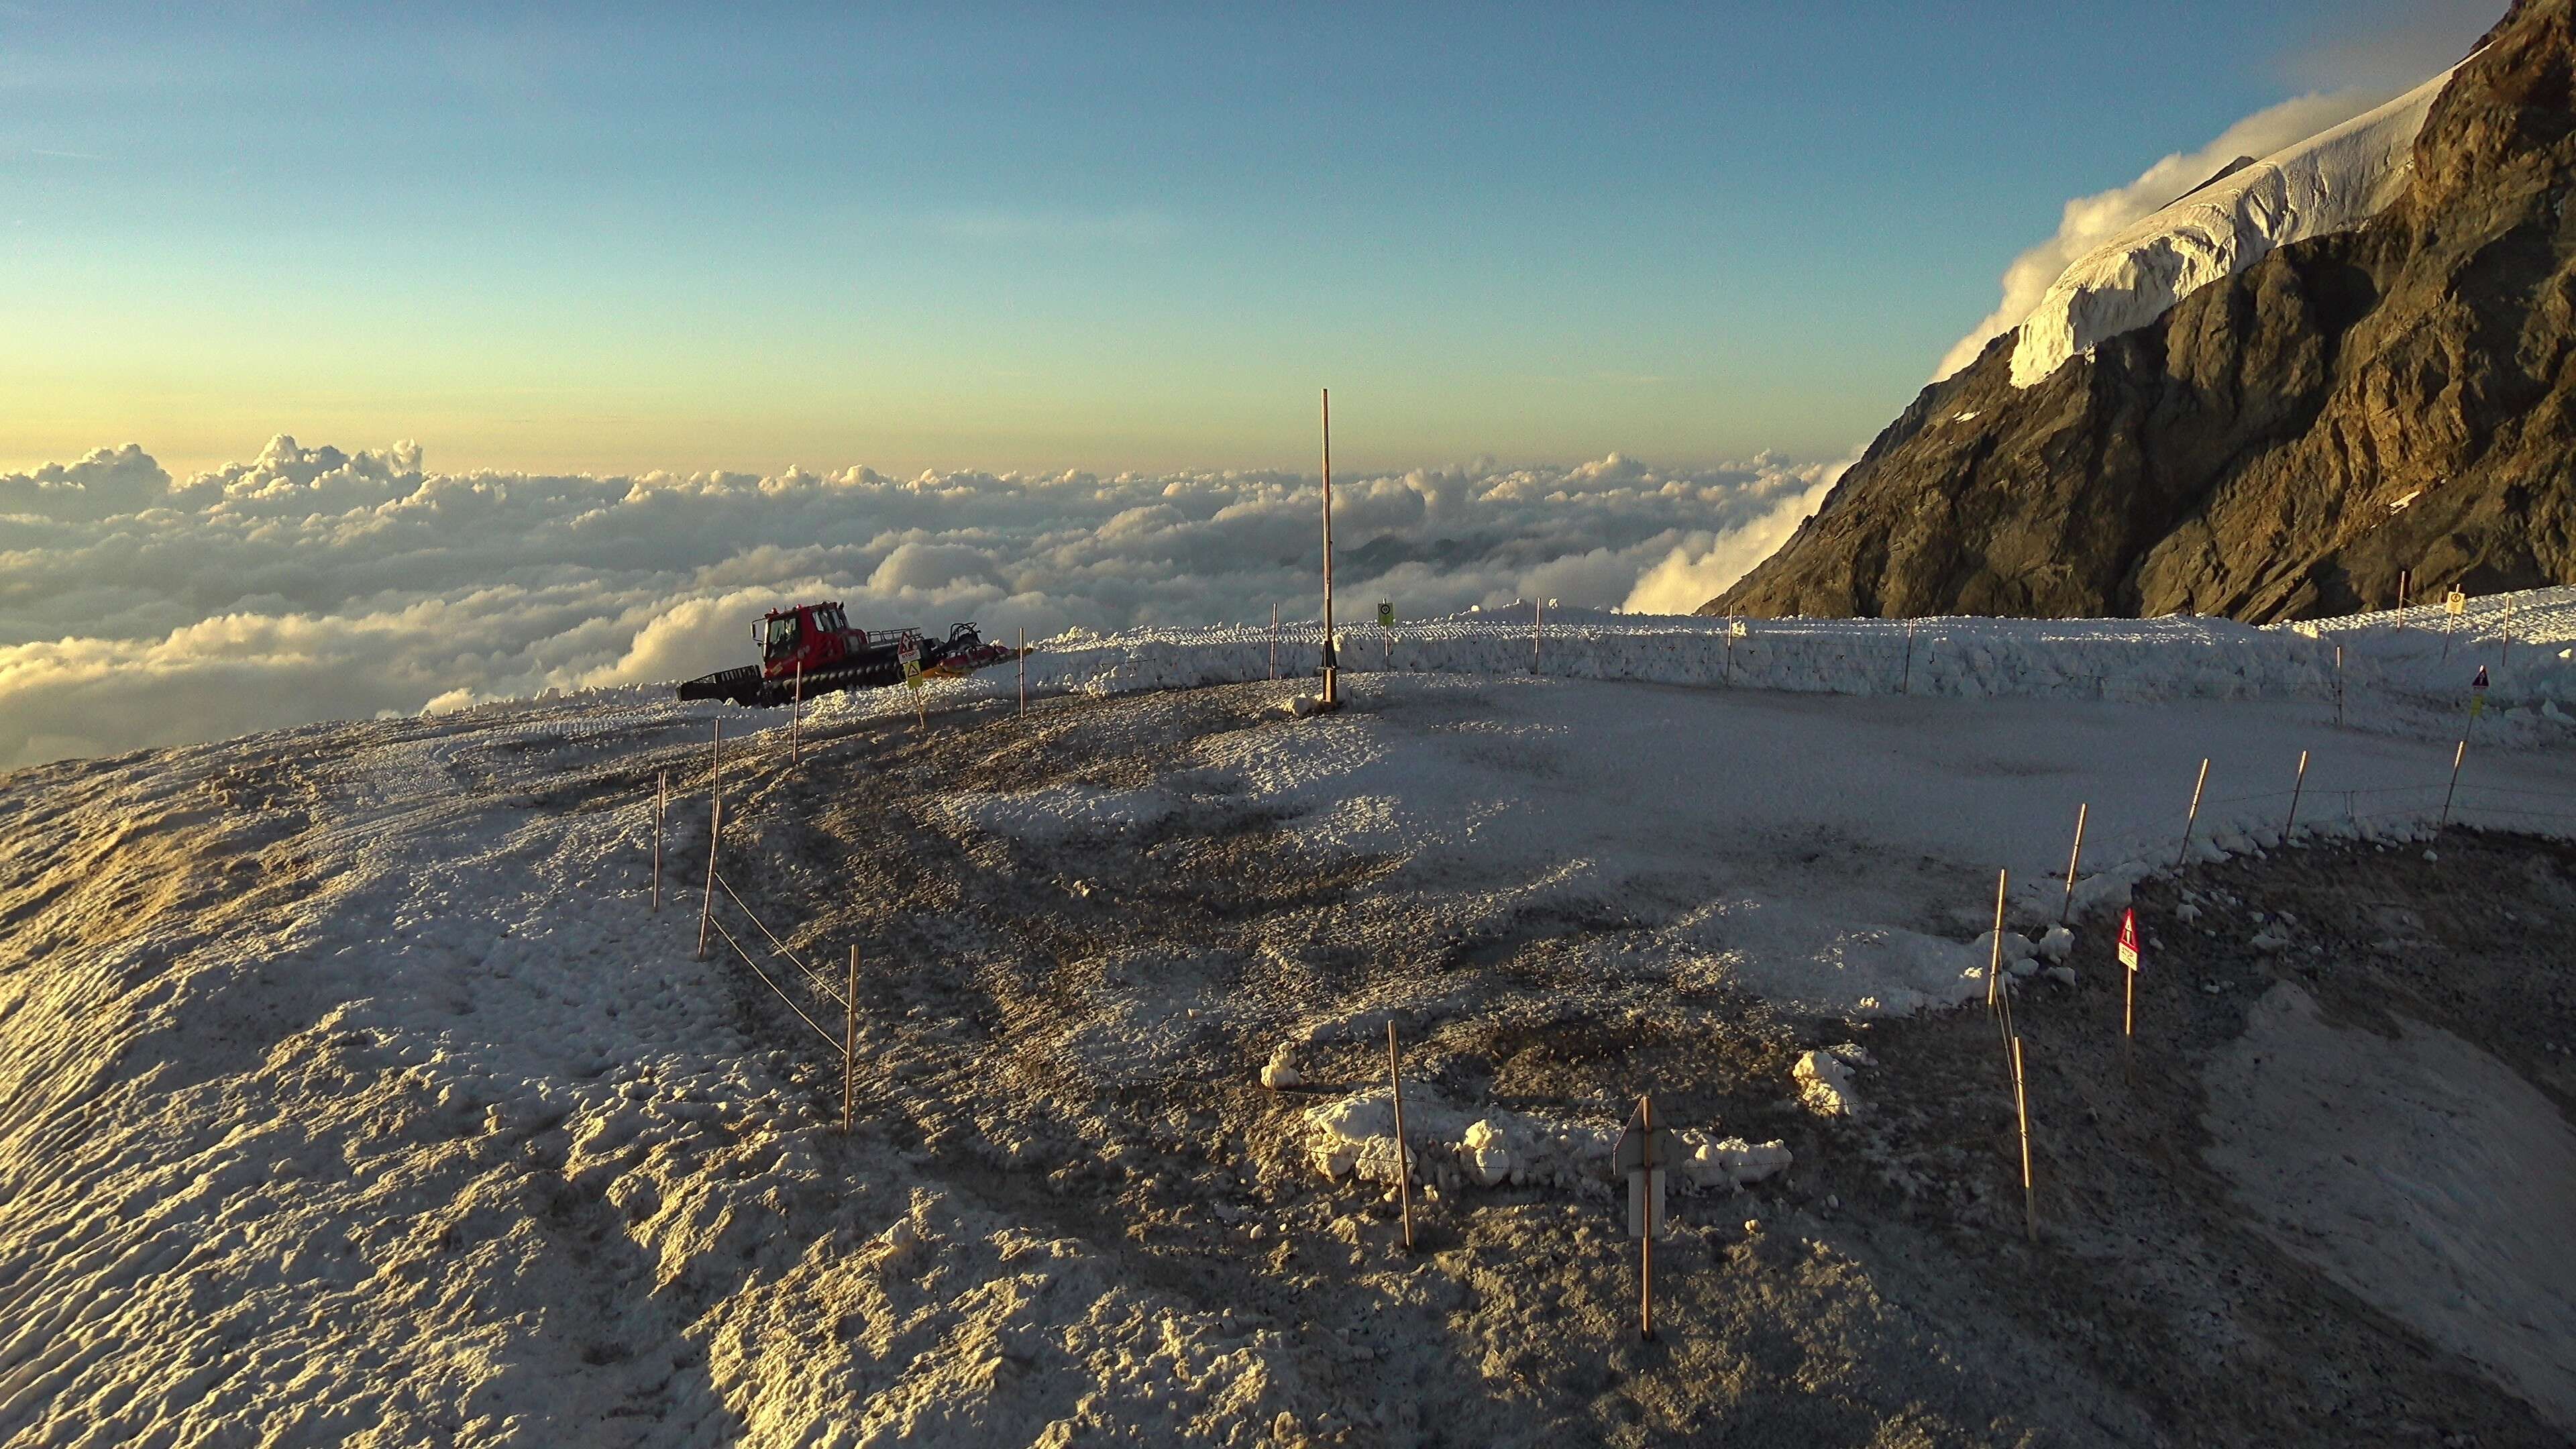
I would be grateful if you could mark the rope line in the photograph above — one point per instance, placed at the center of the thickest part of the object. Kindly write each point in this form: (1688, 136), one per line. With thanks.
(774, 987)
(813, 975)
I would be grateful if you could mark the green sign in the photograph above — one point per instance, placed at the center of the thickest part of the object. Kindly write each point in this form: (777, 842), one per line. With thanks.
(1385, 614)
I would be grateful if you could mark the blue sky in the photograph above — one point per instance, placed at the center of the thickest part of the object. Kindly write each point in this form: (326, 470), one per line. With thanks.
(604, 238)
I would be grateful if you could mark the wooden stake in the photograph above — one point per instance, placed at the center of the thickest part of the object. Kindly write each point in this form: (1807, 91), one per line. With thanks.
(1403, 1168)
(2021, 1104)
(1995, 967)
(2193, 818)
(2297, 786)
(850, 1043)
(2457, 756)
(661, 811)
(2072, 862)
(1332, 669)
(2402, 575)
(715, 828)
(1646, 1242)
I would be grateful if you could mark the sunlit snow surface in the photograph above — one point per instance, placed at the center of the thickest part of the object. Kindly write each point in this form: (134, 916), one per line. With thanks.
(2333, 181)
(382, 1082)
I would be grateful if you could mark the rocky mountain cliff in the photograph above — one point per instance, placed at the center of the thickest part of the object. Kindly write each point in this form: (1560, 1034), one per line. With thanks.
(2281, 443)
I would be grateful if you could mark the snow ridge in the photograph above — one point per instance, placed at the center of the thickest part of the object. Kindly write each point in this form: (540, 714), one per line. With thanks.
(2331, 182)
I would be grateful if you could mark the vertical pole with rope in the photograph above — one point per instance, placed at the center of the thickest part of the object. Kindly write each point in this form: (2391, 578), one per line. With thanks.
(850, 1042)
(715, 828)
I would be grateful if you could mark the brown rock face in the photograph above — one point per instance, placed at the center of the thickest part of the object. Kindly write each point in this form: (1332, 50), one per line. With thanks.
(2281, 444)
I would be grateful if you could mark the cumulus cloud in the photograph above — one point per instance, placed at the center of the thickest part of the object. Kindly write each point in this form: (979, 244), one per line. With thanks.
(2089, 221)
(312, 583)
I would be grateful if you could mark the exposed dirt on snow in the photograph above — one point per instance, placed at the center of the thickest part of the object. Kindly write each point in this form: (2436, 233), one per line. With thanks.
(364, 1102)
(2172, 1263)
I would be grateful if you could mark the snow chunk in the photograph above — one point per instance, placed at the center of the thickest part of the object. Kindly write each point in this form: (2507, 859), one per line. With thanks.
(1281, 1070)
(1824, 1085)
(2056, 944)
(2333, 181)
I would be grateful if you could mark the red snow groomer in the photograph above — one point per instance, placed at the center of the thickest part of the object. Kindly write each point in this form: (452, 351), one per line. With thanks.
(815, 645)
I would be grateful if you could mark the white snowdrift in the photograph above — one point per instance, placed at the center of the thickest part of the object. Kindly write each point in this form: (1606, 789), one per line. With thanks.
(2333, 181)
(1447, 1147)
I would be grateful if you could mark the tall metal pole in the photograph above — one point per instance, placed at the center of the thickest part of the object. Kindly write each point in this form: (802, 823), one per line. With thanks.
(1332, 670)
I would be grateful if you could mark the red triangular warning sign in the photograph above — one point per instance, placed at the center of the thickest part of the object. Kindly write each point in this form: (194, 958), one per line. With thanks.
(2129, 938)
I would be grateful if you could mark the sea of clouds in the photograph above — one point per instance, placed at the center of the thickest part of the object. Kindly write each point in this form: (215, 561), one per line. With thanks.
(140, 609)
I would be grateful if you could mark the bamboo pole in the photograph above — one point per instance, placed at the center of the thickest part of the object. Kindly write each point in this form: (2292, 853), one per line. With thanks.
(1274, 642)
(715, 829)
(1995, 965)
(1646, 1241)
(1403, 1169)
(2193, 818)
(1024, 671)
(850, 1043)
(1538, 631)
(661, 812)
(2457, 756)
(2297, 787)
(2338, 686)
(796, 721)
(2021, 1105)
(1907, 687)
(2073, 860)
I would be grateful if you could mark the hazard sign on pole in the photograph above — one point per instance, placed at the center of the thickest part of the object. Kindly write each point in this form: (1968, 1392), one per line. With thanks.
(2129, 938)
(2478, 693)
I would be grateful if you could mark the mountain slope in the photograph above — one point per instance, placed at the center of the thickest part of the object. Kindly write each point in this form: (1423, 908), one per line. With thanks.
(2280, 443)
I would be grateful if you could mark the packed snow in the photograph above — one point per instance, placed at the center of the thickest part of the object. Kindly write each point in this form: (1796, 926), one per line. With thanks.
(353, 1090)
(2333, 181)
(2441, 1197)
